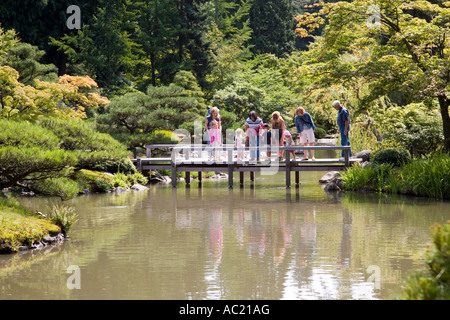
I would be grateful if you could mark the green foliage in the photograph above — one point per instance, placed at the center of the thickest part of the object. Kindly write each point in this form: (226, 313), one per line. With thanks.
(63, 187)
(94, 181)
(433, 283)
(361, 137)
(135, 118)
(395, 156)
(240, 98)
(105, 45)
(320, 133)
(25, 58)
(18, 227)
(415, 127)
(122, 165)
(428, 177)
(380, 178)
(126, 181)
(37, 156)
(64, 217)
(81, 138)
(7, 40)
(272, 25)
(392, 62)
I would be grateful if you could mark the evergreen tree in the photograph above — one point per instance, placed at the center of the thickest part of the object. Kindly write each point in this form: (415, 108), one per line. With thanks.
(105, 46)
(193, 48)
(36, 21)
(135, 118)
(272, 22)
(25, 58)
(157, 35)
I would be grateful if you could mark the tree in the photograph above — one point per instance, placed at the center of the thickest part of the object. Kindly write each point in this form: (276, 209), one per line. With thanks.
(69, 98)
(52, 148)
(193, 49)
(105, 45)
(29, 152)
(25, 58)
(272, 23)
(388, 46)
(136, 119)
(157, 35)
(82, 139)
(7, 40)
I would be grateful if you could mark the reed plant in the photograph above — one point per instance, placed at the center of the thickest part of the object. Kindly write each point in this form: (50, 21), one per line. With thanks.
(428, 177)
(370, 178)
(64, 217)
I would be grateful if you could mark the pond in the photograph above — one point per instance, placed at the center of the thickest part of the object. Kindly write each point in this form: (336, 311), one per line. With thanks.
(259, 242)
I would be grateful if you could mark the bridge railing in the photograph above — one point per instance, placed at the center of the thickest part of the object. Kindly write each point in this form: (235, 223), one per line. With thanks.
(187, 149)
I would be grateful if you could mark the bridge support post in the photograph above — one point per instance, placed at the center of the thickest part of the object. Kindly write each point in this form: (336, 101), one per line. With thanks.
(230, 168)
(288, 169)
(174, 170)
(187, 178)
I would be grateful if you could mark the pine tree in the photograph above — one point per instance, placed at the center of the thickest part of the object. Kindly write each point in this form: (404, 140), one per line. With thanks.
(193, 49)
(272, 22)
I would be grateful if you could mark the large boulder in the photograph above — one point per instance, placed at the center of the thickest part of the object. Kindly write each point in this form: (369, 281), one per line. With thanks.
(334, 185)
(329, 176)
(138, 187)
(364, 155)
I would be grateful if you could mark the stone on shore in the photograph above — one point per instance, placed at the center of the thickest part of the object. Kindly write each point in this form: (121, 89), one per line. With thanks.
(138, 187)
(364, 155)
(329, 176)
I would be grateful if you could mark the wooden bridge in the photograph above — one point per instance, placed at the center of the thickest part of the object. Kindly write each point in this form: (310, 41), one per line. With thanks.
(190, 158)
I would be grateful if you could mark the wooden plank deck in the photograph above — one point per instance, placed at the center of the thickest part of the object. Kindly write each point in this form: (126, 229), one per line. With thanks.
(192, 159)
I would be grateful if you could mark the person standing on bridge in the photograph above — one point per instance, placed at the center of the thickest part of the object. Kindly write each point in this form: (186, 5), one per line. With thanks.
(213, 116)
(278, 128)
(343, 122)
(305, 128)
(252, 128)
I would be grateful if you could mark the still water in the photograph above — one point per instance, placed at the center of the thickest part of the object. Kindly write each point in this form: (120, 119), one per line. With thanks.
(261, 242)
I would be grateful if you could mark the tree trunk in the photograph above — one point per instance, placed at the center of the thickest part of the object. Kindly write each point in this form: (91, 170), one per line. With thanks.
(152, 62)
(62, 64)
(444, 104)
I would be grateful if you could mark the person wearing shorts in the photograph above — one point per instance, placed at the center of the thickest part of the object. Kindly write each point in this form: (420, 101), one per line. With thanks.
(305, 128)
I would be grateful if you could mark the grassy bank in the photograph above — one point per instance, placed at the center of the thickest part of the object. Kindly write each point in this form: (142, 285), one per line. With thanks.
(19, 227)
(425, 177)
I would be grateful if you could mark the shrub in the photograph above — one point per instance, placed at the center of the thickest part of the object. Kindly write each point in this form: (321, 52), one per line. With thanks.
(320, 133)
(126, 181)
(64, 217)
(395, 156)
(63, 187)
(428, 177)
(81, 137)
(124, 165)
(434, 282)
(371, 177)
(94, 181)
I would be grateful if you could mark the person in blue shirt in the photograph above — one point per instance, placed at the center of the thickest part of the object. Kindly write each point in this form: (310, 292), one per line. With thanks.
(343, 122)
(305, 128)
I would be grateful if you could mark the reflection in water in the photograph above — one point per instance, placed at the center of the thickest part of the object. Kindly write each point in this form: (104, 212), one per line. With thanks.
(264, 242)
